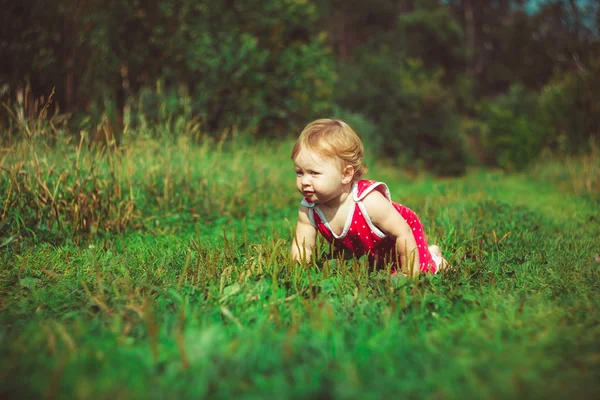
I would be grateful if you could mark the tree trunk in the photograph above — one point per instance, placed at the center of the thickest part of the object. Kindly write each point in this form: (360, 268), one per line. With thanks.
(71, 31)
(470, 37)
(342, 37)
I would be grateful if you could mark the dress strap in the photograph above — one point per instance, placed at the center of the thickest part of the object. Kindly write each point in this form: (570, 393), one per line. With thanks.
(359, 191)
(311, 211)
(306, 203)
(364, 187)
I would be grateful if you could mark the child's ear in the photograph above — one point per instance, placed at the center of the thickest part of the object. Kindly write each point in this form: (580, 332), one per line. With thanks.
(347, 174)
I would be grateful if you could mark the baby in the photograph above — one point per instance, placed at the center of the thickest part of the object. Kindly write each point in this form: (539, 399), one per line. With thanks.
(357, 216)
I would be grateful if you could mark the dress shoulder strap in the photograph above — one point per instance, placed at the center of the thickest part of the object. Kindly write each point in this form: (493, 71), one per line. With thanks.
(364, 187)
(311, 211)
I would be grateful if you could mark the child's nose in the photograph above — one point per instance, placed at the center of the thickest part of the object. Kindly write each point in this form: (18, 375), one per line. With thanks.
(305, 179)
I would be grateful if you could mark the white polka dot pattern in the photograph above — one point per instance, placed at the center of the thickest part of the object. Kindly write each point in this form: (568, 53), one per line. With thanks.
(376, 247)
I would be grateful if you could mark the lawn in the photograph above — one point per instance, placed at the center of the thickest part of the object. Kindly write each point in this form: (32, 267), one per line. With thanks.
(162, 271)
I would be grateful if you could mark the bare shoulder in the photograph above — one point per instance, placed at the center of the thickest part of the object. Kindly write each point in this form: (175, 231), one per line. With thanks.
(305, 231)
(374, 202)
(303, 215)
(305, 237)
(384, 215)
(304, 228)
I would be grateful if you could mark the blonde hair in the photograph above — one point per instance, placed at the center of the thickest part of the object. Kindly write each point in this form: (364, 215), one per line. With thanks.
(333, 138)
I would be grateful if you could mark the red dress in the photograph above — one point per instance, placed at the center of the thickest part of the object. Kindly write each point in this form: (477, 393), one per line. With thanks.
(360, 236)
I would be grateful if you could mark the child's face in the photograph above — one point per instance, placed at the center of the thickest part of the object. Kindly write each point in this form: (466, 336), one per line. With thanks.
(320, 179)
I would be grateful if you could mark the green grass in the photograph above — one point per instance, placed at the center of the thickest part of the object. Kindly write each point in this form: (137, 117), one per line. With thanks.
(162, 271)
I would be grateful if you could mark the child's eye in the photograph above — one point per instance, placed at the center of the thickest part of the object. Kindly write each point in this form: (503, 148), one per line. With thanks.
(315, 173)
(299, 173)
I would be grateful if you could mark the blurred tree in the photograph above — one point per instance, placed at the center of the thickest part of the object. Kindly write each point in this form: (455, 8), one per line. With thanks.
(433, 36)
(414, 112)
(352, 23)
(570, 109)
(402, 79)
(264, 65)
(568, 32)
(252, 64)
(509, 41)
(31, 45)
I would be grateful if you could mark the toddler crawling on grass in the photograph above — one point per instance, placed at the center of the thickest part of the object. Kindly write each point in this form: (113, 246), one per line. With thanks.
(357, 216)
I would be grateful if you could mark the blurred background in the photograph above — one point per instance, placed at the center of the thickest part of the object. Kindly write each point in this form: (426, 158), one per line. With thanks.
(435, 85)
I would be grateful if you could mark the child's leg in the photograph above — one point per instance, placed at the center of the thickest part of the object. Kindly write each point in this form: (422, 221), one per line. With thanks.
(436, 251)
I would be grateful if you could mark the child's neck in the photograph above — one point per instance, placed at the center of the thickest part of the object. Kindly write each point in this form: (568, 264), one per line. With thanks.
(340, 200)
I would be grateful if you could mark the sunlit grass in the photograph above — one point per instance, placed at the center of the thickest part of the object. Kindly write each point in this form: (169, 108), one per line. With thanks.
(162, 271)
(574, 174)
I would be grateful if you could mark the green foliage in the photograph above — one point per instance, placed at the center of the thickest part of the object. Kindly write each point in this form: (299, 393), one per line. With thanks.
(31, 36)
(397, 82)
(571, 110)
(516, 127)
(414, 112)
(256, 66)
(512, 135)
(435, 37)
(199, 299)
(74, 194)
(57, 199)
(265, 68)
(262, 71)
(579, 174)
(165, 113)
(31, 120)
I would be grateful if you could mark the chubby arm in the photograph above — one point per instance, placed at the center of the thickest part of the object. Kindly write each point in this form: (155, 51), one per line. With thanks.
(385, 217)
(305, 237)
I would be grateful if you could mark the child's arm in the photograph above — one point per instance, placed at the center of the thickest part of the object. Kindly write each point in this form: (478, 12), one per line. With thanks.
(305, 238)
(385, 217)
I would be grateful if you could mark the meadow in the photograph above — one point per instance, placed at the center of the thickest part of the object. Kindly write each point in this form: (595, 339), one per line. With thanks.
(161, 270)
